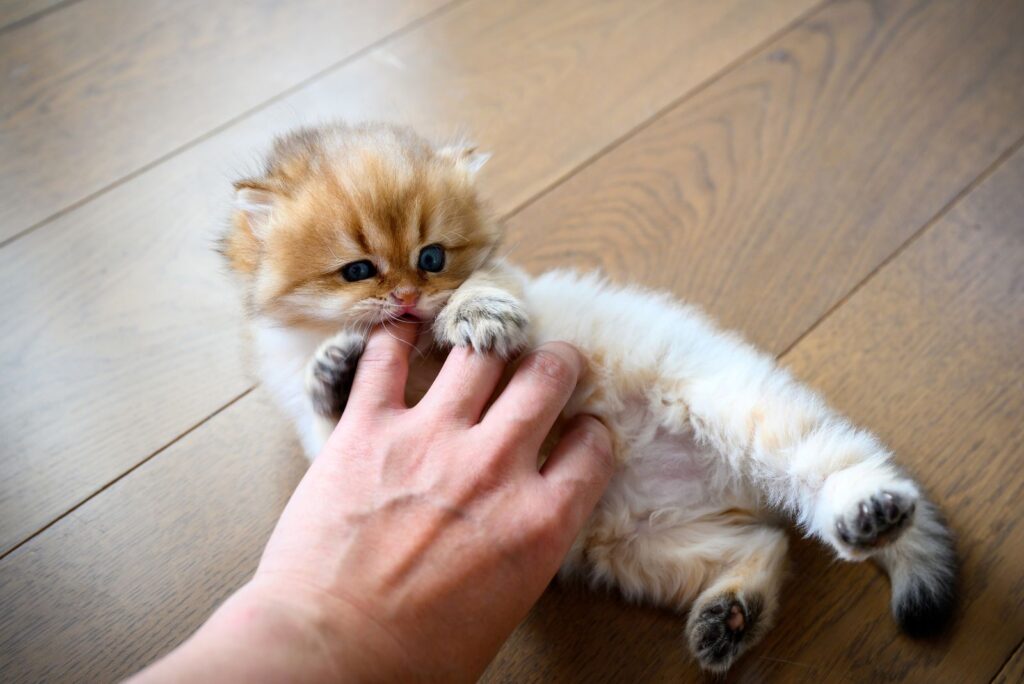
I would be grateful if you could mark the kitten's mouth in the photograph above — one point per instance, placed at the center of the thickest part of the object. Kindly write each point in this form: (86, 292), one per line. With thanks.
(411, 315)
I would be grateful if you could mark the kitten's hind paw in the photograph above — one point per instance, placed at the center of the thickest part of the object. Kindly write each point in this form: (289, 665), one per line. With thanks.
(489, 321)
(876, 520)
(721, 628)
(330, 373)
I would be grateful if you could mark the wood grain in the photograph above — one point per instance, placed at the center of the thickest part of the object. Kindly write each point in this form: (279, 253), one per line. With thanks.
(122, 303)
(772, 192)
(110, 586)
(141, 565)
(927, 354)
(12, 11)
(101, 88)
(1013, 670)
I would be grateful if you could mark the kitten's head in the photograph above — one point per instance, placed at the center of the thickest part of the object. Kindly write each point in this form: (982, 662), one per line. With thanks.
(349, 226)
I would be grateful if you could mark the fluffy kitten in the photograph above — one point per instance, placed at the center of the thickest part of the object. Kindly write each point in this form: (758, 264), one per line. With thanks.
(353, 225)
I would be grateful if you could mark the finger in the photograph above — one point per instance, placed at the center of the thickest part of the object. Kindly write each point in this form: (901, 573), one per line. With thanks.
(536, 394)
(579, 469)
(383, 367)
(465, 384)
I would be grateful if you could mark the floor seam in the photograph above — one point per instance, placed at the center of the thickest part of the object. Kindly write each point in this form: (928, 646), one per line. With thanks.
(127, 472)
(1006, 662)
(37, 15)
(616, 142)
(184, 147)
(943, 211)
(639, 127)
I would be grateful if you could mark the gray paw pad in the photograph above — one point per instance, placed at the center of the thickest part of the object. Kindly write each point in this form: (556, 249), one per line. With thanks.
(876, 520)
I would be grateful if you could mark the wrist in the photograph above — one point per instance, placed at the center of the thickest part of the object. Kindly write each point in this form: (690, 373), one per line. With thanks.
(284, 631)
(352, 640)
(323, 636)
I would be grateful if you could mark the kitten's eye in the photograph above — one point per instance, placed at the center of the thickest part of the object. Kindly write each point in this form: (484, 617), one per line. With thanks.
(358, 270)
(431, 258)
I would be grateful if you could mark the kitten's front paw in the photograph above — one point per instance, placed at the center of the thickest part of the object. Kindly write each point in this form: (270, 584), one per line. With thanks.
(492, 322)
(330, 373)
(876, 520)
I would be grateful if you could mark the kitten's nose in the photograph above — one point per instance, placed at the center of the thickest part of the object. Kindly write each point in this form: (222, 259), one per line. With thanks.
(406, 298)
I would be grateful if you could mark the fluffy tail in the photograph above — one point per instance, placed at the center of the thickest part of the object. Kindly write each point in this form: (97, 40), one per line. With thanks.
(922, 567)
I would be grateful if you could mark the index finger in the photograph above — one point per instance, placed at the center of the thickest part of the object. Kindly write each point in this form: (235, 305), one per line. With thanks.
(465, 384)
(536, 394)
(383, 367)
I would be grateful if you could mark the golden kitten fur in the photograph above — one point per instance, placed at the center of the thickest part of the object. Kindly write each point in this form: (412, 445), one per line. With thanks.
(351, 226)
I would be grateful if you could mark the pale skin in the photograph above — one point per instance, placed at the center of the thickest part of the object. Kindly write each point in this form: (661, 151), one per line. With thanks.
(420, 537)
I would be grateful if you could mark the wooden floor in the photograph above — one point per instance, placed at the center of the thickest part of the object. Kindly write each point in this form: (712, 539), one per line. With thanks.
(841, 181)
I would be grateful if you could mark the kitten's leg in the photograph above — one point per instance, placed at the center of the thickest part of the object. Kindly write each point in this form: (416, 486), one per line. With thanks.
(486, 312)
(329, 380)
(739, 607)
(725, 566)
(839, 481)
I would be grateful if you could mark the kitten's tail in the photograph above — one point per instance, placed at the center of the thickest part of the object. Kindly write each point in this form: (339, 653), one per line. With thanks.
(922, 567)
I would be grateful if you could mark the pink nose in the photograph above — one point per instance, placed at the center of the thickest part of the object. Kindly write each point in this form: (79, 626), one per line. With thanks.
(405, 299)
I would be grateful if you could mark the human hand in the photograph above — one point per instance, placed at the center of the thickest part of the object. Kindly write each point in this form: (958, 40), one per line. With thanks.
(420, 537)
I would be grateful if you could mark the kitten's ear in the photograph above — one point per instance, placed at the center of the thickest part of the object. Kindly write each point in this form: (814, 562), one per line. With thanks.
(254, 203)
(242, 245)
(466, 157)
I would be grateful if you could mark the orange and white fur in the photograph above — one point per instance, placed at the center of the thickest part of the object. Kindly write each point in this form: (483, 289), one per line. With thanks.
(716, 443)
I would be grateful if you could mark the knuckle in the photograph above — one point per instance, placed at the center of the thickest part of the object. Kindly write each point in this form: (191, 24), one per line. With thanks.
(545, 530)
(552, 368)
(593, 437)
(380, 360)
(573, 490)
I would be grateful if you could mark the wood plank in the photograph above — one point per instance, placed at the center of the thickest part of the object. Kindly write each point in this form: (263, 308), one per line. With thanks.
(12, 11)
(570, 636)
(122, 303)
(1013, 670)
(929, 355)
(101, 88)
(771, 193)
(139, 569)
(109, 587)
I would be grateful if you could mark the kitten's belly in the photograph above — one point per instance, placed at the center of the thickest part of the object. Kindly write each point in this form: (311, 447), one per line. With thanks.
(669, 471)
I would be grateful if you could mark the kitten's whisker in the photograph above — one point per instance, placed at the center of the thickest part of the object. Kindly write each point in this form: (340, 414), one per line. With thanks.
(333, 253)
(506, 248)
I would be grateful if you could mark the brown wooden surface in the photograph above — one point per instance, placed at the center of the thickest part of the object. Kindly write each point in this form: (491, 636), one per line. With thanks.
(771, 193)
(929, 355)
(98, 89)
(778, 197)
(124, 297)
(87, 111)
(12, 11)
(113, 584)
(1013, 670)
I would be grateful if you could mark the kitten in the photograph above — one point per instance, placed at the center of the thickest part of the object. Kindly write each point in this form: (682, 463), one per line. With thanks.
(349, 226)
